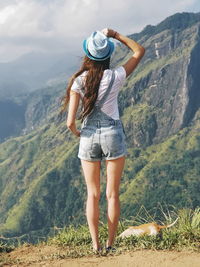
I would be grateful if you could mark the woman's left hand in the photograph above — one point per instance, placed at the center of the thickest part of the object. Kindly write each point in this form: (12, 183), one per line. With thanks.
(72, 127)
(77, 133)
(108, 32)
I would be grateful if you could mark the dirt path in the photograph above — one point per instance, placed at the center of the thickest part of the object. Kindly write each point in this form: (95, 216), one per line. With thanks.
(52, 257)
(138, 259)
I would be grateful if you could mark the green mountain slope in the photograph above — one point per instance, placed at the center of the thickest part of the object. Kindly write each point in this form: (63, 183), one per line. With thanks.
(168, 172)
(40, 178)
(41, 182)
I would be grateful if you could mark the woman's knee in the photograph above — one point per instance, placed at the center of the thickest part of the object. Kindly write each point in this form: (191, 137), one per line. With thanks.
(114, 196)
(94, 196)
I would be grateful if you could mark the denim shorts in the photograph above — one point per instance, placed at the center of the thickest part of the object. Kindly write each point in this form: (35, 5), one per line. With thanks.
(102, 140)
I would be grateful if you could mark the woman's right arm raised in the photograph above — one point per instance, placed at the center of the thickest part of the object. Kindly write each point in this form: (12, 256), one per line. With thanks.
(138, 50)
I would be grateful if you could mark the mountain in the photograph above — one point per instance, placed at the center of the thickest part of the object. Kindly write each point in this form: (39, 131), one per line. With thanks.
(24, 112)
(34, 70)
(41, 182)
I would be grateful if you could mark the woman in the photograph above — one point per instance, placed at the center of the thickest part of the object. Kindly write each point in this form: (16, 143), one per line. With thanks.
(102, 135)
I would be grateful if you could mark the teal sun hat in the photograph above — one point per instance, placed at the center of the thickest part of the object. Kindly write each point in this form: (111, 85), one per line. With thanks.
(98, 46)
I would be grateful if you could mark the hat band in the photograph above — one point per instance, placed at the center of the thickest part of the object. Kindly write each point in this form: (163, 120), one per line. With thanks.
(98, 57)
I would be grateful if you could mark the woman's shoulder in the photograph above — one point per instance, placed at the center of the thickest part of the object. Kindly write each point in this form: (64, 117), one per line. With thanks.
(82, 75)
(80, 78)
(118, 69)
(120, 73)
(78, 83)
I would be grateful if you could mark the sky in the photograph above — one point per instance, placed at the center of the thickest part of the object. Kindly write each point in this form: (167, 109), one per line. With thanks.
(61, 25)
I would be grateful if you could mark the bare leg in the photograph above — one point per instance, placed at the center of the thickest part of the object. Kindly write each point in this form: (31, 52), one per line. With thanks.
(91, 172)
(114, 170)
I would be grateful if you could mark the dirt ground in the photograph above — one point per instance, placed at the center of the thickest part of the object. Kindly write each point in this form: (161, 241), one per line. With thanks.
(52, 257)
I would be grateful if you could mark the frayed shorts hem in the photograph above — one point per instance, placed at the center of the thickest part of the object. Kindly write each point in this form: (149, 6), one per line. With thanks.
(103, 158)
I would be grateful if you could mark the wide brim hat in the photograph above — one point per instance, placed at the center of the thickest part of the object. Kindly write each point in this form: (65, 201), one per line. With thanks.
(98, 46)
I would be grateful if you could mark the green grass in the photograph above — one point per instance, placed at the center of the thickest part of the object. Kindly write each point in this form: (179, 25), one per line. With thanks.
(5, 247)
(184, 235)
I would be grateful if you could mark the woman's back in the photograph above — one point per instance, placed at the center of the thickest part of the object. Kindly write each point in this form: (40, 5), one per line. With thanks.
(110, 107)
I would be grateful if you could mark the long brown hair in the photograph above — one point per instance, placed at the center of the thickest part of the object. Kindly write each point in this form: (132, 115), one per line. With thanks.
(91, 85)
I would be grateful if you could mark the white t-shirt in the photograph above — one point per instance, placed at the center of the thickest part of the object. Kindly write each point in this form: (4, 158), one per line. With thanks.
(110, 106)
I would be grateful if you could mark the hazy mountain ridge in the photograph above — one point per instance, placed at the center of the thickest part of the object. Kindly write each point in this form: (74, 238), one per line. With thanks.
(41, 183)
(30, 76)
(33, 70)
(174, 23)
(31, 110)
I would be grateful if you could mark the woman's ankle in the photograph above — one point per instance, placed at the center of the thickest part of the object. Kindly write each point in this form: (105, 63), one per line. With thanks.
(96, 246)
(108, 243)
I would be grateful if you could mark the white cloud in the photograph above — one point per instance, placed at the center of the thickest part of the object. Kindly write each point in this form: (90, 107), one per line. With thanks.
(22, 19)
(55, 25)
(6, 13)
